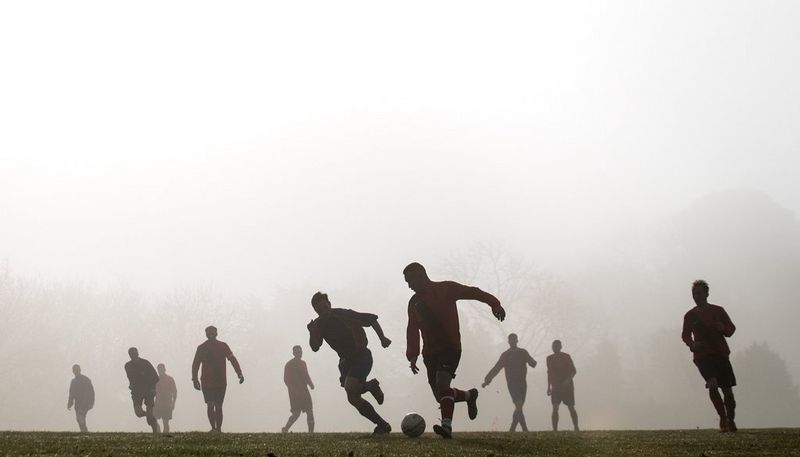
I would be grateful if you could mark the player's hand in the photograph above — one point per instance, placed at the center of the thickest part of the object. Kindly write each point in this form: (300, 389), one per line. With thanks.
(484, 384)
(548, 391)
(196, 384)
(311, 386)
(413, 366)
(385, 342)
(311, 325)
(241, 379)
(499, 313)
(534, 364)
(69, 407)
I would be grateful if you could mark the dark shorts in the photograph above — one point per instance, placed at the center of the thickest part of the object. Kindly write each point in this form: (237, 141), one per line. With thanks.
(214, 394)
(518, 391)
(719, 367)
(443, 361)
(300, 402)
(162, 412)
(146, 397)
(565, 396)
(357, 367)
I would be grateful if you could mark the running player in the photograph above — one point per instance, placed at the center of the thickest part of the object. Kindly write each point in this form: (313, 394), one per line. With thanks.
(560, 387)
(297, 380)
(514, 361)
(213, 381)
(166, 395)
(81, 394)
(705, 328)
(343, 330)
(142, 379)
(432, 312)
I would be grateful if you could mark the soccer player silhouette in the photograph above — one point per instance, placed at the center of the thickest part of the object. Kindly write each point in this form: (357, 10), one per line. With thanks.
(343, 330)
(432, 312)
(297, 380)
(81, 394)
(211, 356)
(166, 395)
(705, 328)
(142, 379)
(514, 361)
(560, 387)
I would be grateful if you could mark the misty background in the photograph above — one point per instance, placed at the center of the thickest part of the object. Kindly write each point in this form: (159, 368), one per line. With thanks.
(166, 166)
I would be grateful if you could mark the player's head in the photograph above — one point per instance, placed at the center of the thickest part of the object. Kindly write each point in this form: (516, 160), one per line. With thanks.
(513, 340)
(297, 351)
(133, 353)
(76, 369)
(211, 332)
(557, 346)
(700, 291)
(320, 303)
(161, 369)
(416, 277)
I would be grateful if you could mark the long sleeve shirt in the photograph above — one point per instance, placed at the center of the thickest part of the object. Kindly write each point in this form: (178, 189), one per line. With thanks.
(142, 377)
(432, 313)
(705, 329)
(81, 393)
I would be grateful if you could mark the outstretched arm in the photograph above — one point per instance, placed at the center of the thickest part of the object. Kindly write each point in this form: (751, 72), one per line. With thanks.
(463, 292)
(314, 335)
(195, 369)
(385, 342)
(236, 367)
(727, 325)
(495, 369)
(530, 360)
(71, 396)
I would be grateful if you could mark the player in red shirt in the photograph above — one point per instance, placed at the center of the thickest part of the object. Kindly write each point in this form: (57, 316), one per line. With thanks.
(560, 388)
(213, 381)
(298, 381)
(432, 312)
(705, 328)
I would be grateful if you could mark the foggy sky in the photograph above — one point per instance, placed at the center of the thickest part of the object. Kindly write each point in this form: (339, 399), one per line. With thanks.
(264, 146)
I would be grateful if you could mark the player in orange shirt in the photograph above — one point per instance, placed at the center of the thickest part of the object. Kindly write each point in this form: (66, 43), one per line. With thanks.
(705, 328)
(432, 313)
(211, 355)
(560, 387)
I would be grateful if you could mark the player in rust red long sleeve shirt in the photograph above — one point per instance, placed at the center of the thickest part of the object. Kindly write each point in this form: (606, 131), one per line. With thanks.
(705, 328)
(432, 313)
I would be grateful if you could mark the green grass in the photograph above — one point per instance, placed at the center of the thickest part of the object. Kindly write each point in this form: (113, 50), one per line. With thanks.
(695, 443)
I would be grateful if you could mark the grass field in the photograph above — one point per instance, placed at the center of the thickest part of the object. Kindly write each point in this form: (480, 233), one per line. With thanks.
(694, 443)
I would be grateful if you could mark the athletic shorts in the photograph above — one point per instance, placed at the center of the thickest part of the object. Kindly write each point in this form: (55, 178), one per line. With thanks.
(518, 391)
(565, 396)
(147, 397)
(214, 394)
(719, 367)
(162, 412)
(357, 367)
(300, 402)
(446, 360)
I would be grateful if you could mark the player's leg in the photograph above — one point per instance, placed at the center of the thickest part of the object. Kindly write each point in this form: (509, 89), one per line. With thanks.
(218, 415)
(149, 402)
(166, 425)
(291, 420)
(719, 404)
(374, 387)
(80, 416)
(730, 408)
(356, 377)
(568, 398)
(310, 420)
(520, 393)
(573, 413)
(521, 415)
(556, 401)
(137, 404)
(212, 417)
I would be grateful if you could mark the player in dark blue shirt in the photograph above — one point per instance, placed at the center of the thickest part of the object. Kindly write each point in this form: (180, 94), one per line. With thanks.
(343, 330)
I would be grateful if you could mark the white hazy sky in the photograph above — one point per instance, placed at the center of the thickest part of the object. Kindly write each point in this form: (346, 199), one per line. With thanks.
(254, 144)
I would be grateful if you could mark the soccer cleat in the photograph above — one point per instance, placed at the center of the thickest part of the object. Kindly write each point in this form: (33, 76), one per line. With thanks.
(443, 431)
(382, 429)
(472, 404)
(732, 426)
(375, 390)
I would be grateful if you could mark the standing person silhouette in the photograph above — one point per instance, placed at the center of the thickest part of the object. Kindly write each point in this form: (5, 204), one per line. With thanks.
(211, 356)
(297, 380)
(432, 313)
(514, 361)
(560, 387)
(81, 394)
(705, 328)
(343, 330)
(166, 395)
(142, 379)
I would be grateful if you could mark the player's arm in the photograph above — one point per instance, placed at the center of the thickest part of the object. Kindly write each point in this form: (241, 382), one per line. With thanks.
(153, 373)
(71, 396)
(174, 392)
(196, 368)
(572, 371)
(727, 327)
(129, 373)
(236, 367)
(462, 292)
(307, 376)
(412, 338)
(550, 375)
(91, 395)
(314, 335)
(495, 370)
(530, 360)
(686, 333)
(385, 342)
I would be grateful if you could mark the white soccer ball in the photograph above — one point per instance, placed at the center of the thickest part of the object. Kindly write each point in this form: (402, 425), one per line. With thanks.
(413, 425)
